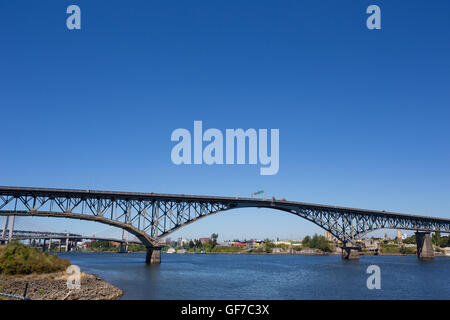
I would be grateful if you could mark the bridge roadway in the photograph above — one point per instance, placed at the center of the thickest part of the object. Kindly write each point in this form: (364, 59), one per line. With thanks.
(151, 216)
(27, 235)
(71, 239)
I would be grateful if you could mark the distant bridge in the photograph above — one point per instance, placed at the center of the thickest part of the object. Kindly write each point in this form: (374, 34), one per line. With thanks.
(151, 216)
(27, 235)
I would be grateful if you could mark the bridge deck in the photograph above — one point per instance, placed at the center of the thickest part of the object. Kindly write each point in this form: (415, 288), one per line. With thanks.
(98, 194)
(25, 235)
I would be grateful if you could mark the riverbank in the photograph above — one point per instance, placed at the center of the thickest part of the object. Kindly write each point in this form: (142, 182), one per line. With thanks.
(313, 253)
(53, 286)
(268, 253)
(304, 253)
(43, 277)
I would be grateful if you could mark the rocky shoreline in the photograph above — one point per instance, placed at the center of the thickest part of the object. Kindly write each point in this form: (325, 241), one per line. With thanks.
(53, 286)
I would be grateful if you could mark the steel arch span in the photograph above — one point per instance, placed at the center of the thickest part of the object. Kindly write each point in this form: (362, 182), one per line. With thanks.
(151, 216)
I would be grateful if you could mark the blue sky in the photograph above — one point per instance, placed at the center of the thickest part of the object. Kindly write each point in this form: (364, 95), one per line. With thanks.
(363, 114)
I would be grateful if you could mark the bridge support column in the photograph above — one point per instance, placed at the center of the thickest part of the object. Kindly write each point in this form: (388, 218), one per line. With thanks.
(11, 228)
(350, 253)
(5, 228)
(153, 255)
(424, 246)
(123, 248)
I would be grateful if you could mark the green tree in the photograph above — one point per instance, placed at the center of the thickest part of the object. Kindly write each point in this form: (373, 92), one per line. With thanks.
(213, 240)
(268, 246)
(436, 238)
(306, 241)
(410, 240)
(441, 241)
(317, 242)
(102, 245)
(197, 243)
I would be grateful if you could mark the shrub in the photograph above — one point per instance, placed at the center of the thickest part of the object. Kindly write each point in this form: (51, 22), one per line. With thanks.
(16, 258)
(407, 250)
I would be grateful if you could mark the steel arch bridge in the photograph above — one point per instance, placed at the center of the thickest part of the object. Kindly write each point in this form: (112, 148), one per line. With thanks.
(151, 216)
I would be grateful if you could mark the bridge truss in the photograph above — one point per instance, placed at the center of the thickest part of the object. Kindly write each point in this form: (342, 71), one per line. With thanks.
(19, 234)
(151, 216)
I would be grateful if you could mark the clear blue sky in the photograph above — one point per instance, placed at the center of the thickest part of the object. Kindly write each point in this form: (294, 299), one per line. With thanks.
(363, 115)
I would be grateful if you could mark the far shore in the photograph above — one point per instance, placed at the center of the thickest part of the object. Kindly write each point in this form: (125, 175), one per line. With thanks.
(286, 253)
(362, 253)
(300, 254)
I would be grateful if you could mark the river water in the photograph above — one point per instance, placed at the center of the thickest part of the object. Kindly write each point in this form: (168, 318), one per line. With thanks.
(231, 276)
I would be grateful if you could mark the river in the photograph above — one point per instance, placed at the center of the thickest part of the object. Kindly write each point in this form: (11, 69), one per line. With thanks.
(232, 276)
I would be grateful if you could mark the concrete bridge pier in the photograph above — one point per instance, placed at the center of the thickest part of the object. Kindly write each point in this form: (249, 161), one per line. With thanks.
(153, 255)
(424, 246)
(123, 248)
(11, 228)
(5, 228)
(350, 253)
(67, 243)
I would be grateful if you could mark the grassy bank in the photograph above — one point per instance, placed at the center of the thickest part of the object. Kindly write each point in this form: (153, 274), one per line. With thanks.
(17, 259)
(395, 249)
